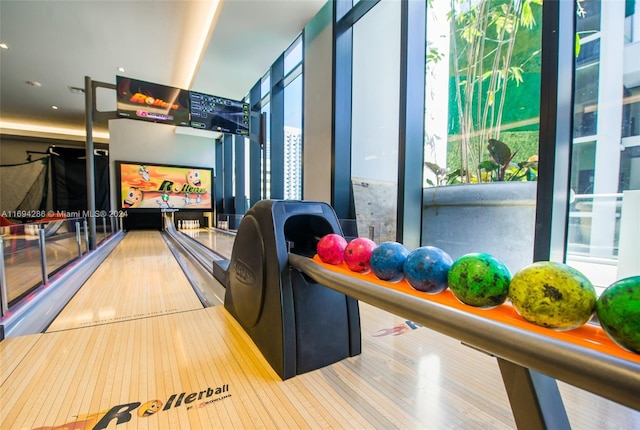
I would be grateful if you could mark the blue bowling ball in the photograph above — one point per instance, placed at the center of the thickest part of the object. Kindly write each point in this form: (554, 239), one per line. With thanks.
(387, 261)
(427, 268)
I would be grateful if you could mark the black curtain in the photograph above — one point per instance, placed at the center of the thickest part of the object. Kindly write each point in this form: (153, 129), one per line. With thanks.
(69, 179)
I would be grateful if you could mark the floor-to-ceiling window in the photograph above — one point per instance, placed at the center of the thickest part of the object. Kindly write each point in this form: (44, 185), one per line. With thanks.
(374, 123)
(265, 176)
(605, 172)
(482, 103)
(293, 121)
(280, 95)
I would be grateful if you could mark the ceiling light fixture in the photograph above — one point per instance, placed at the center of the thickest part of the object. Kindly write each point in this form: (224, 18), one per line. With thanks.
(205, 36)
(34, 84)
(54, 107)
(21, 128)
(120, 69)
(4, 46)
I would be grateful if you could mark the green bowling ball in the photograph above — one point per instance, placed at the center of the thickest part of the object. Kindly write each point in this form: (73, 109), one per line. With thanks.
(552, 295)
(618, 309)
(479, 280)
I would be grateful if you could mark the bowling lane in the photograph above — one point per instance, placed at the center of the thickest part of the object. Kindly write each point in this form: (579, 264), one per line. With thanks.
(219, 241)
(205, 372)
(140, 278)
(12, 352)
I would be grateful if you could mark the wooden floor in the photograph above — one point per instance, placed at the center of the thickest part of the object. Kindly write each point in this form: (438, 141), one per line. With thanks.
(133, 350)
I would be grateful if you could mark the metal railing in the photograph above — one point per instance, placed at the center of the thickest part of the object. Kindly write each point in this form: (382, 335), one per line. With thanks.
(33, 252)
(594, 236)
(582, 239)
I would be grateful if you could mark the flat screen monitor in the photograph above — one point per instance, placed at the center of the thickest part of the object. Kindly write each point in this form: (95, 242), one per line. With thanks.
(152, 102)
(219, 114)
(145, 186)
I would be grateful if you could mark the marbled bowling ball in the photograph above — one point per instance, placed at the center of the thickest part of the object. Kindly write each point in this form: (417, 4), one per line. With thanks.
(357, 254)
(330, 248)
(479, 280)
(618, 309)
(426, 269)
(387, 261)
(552, 295)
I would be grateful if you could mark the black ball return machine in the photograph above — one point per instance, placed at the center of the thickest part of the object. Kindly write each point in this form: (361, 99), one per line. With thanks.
(298, 324)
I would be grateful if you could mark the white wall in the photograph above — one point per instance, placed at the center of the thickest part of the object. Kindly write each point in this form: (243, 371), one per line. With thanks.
(150, 143)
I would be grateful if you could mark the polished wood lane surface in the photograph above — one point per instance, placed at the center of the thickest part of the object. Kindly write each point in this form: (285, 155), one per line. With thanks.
(139, 279)
(105, 372)
(218, 240)
(12, 352)
(199, 370)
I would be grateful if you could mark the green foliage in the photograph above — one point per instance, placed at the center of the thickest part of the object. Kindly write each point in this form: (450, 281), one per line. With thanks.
(495, 52)
(503, 165)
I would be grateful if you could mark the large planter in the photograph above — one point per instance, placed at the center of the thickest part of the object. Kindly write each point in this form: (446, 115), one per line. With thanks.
(497, 218)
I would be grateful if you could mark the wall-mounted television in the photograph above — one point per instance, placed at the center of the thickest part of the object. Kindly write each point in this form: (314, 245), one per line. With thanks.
(219, 114)
(152, 102)
(145, 186)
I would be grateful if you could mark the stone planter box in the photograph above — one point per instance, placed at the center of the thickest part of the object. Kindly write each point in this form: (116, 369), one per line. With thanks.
(496, 218)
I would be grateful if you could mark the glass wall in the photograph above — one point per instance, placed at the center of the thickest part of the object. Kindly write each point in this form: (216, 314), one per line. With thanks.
(293, 56)
(605, 172)
(293, 139)
(374, 125)
(481, 127)
(288, 116)
(266, 155)
(293, 121)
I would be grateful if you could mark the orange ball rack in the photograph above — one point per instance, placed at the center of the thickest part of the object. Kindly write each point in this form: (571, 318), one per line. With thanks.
(588, 336)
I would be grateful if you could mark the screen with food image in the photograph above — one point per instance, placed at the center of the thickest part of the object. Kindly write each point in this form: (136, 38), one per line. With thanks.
(154, 186)
(152, 102)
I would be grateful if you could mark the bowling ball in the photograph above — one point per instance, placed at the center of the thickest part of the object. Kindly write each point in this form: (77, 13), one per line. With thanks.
(330, 248)
(426, 269)
(479, 280)
(552, 295)
(357, 254)
(387, 261)
(618, 309)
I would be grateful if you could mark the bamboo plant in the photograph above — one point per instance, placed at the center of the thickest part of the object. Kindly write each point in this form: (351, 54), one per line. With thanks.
(483, 38)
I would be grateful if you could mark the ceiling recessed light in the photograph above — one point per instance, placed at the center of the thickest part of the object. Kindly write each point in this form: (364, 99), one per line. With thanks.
(4, 46)
(54, 107)
(34, 83)
(120, 69)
